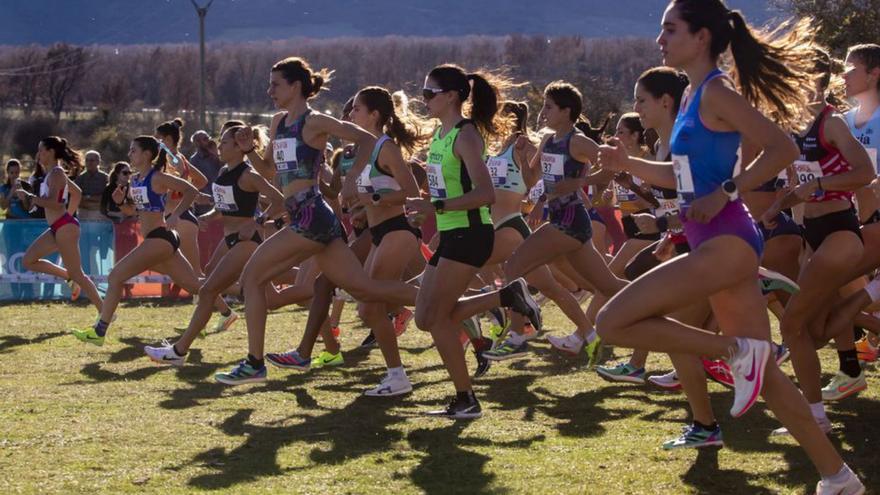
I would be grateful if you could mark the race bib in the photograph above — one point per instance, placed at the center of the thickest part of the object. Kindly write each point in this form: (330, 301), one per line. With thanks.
(624, 195)
(681, 165)
(782, 178)
(553, 169)
(140, 197)
(667, 207)
(436, 182)
(536, 191)
(807, 171)
(224, 198)
(497, 170)
(364, 184)
(284, 151)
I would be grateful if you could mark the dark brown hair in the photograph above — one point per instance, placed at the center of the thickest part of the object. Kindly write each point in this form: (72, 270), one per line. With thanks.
(483, 89)
(406, 131)
(294, 69)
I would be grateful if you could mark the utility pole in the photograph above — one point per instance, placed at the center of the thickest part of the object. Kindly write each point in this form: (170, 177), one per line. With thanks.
(202, 12)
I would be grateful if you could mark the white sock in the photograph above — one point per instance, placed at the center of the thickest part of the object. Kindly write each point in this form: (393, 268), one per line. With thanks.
(818, 410)
(840, 477)
(591, 336)
(397, 372)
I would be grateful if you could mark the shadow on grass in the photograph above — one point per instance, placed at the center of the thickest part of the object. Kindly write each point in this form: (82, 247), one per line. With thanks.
(10, 342)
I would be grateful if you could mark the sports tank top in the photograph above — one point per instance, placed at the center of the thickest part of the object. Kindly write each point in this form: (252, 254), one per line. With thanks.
(373, 179)
(819, 158)
(868, 134)
(229, 198)
(448, 178)
(294, 159)
(506, 174)
(668, 198)
(143, 195)
(62, 194)
(702, 158)
(557, 164)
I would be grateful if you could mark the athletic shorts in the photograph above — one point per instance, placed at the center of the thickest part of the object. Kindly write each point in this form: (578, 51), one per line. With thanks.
(312, 218)
(816, 230)
(188, 216)
(573, 220)
(516, 222)
(733, 219)
(167, 235)
(393, 224)
(63, 220)
(469, 245)
(233, 239)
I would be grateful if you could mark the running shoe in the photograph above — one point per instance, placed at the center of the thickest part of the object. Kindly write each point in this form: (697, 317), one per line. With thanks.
(507, 350)
(483, 364)
(770, 281)
(241, 374)
(75, 290)
(498, 317)
(581, 295)
(460, 409)
(850, 486)
(623, 372)
(90, 336)
(289, 360)
(529, 332)
(401, 321)
(570, 344)
(369, 341)
(867, 352)
(718, 371)
(782, 353)
(472, 324)
(326, 359)
(694, 437)
(842, 386)
(225, 323)
(594, 351)
(523, 303)
(165, 354)
(669, 381)
(335, 331)
(496, 332)
(390, 386)
(824, 425)
(747, 367)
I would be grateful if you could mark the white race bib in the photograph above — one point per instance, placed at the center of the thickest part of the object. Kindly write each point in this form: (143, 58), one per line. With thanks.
(224, 197)
(497, 170)
(667, 207)
(552, 168)
(807, 171)
(284, 151)
(140, 197)
(623, 193)
(681, 165)
(536, 191)
(364, 184)
(436, 182)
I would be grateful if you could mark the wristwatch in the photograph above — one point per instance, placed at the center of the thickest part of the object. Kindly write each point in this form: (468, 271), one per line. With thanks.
(376, 197)
(439, 206)
(729, 188)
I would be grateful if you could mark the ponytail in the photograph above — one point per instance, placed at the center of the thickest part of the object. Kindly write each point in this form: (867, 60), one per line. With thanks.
(64, 152)
(294, 69)
(484, 90)
(404, 127)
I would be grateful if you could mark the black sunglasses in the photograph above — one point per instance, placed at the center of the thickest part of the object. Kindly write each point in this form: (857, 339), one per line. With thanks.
(430, 93)
(125, 172)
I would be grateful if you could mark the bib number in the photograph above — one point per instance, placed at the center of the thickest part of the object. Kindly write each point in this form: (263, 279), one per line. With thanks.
(224, 198)
(364, 184)
(807, 171)
(436, 182)
(536, 191)
(681, 165)
(497, 170)
(553, 169)
(624, 195)
(284, 151)
(139, 196)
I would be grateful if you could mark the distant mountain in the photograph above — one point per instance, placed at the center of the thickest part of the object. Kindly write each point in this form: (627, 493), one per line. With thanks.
(174, 21)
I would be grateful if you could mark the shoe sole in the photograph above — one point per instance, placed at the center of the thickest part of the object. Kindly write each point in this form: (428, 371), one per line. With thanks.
(390, 394)
(166, 363)
(848, 393)
(505, 357)
(620, 378)
(457, 416)
(717, 443)
(288, 366)
(761, 361)
(531, 303)
(675, 387)
(241, 381)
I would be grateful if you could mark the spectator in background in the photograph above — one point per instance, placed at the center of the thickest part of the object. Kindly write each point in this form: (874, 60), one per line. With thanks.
(9, 200)
(34, 181)
(92, 182)
(123, 215)
(207, 160)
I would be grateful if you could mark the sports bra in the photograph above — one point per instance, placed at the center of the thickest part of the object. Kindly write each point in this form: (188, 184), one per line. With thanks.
(506, 174)
(143, 195)
(62, 194)
(820, 159)
(294, 159)
(557, 164)
(229, 198)
(373, 178)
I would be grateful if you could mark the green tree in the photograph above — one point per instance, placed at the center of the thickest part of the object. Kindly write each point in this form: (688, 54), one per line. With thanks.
(840, 23)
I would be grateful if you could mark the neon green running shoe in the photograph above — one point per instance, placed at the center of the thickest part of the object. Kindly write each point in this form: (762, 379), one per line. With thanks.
(325, 359)
(89, 335)
(594, 351)
(496, 332)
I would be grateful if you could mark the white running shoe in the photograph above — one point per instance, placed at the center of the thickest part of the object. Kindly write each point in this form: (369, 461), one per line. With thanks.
(164, 354)
(391, 386)
(852, 486)
(226, 322)
(669, 381)
(570, 344)
(842, 386)
(748, 373)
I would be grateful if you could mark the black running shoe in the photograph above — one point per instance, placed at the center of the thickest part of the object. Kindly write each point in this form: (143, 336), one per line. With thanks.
(499, 316)
(523, 302)
(460, 409)
(369, 340)
(483, 364)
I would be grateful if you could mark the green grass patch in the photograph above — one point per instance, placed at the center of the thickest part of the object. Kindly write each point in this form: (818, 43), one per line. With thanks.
(77, 419)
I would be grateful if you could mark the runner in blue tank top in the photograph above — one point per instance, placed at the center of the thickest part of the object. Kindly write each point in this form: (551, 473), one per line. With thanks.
(726, 246)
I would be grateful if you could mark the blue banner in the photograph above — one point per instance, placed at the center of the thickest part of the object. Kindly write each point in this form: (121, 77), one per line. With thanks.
(18, 284)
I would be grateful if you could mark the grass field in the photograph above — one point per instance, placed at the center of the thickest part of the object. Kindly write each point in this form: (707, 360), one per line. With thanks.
(77, 419)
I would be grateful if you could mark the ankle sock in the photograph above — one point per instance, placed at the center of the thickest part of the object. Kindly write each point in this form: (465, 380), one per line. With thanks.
(254, 362)
(101, 327)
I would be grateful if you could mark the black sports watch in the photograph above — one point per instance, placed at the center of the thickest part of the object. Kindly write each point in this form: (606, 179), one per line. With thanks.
(376, 197)
(729, 188)
(439, 206)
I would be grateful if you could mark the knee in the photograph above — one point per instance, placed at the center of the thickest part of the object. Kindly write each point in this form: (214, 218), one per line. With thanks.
(606, 326)
(115, 278)
(208, 290)
(371, 312)
(424, 319)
